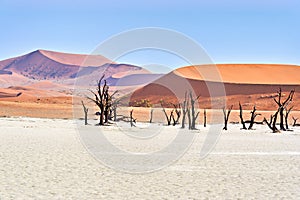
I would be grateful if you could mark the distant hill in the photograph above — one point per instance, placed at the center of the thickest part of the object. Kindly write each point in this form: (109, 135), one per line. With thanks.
(49, 65)
(50, 71)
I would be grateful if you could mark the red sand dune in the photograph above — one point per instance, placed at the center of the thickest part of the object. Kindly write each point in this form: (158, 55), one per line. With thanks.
(245, 81)
(243, 73)
(76, 59)
(59, 67)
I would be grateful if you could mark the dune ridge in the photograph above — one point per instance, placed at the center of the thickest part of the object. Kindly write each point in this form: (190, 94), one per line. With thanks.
(243, 73)
(76, 59)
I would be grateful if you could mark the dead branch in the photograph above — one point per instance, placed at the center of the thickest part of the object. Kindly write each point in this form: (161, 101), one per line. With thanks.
(226, 116)
(85, 110)
(282, 105)
(132, 120)
(252, 119)
(272, 123)
(286, 116)
(204, 116)
(241, 117)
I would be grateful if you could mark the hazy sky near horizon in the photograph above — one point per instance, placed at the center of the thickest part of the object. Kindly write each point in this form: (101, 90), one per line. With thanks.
(230, 31)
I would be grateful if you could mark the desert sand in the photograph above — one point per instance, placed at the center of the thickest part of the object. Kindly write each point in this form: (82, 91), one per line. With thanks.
(45, 159)
(244, 73)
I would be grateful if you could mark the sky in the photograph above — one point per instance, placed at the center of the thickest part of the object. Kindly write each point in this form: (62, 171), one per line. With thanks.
(229, 31)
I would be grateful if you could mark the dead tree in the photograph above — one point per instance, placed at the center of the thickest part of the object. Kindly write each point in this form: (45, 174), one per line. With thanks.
(132, 120)
(282, 105)
(286, 116)
(113, 110)
(177, 110)
(184, 110)
(189, 117)
(204, 116)
(108, 103)
(103, 100)
(252, 119)
(295, 121)
(169, 118)
(151, 115)
(173, 118)
(194, 115)
(226, 116)
(241, 116)
(272, 123)
(100, 99)
(85, 110)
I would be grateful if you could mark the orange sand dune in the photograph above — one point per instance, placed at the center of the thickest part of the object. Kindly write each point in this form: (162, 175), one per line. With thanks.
(243, 73)
(126, 73)
(8, 95)
(250, 84)
(76, 59)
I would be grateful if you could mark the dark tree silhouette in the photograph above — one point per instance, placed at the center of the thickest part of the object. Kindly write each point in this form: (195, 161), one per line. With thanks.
(132, 120)
(226, 116)
(177, 109)
(85, 110)
(168, 117)
(241, 116)
(286, 116)
(113, 111)
(151, 115)
(204, 116)
(103, 100)
(193, 113)
(272, 123)
(295, 121)
(252, 119)
(184, 110)
(282, 105)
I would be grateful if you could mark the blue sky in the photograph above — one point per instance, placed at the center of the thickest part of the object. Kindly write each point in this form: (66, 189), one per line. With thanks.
(230, 31)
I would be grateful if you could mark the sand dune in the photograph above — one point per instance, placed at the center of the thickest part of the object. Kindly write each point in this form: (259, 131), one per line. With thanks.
(76, 59)
(55, 66)
(250, 83)
(244, 73)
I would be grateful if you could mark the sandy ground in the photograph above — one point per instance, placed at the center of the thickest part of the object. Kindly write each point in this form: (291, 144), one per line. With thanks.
(44, 159)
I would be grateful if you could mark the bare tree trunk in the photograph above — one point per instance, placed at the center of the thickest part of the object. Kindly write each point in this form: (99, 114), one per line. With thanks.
(204, 121)
(282, 105)
(184, 110)
(189, 118)
(169, 118)
(85, 110)
(115, 113)
(183, 120)
(275, 130)
(252, 119)
(132, 120)
(194, 116)
(286, 116)
(272, 123)
(178, 113)
(174, 120)
(269, 123)
(101, 120)
(151, 115)
(226, 116)
(295, 121)
(281, 119)
(241, 117)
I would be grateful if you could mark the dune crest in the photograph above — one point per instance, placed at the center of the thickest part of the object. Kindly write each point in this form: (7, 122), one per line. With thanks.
(76, 59)
(244, 73)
